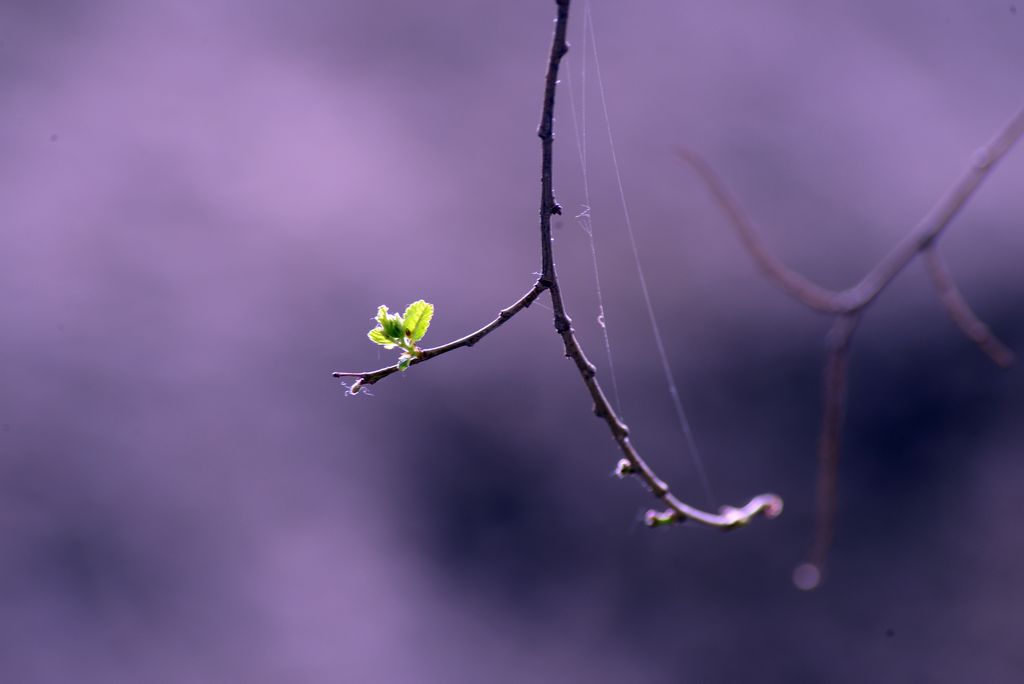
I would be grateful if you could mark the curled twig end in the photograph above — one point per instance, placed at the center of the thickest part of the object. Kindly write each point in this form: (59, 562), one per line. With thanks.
(772, 505)
(769, 505)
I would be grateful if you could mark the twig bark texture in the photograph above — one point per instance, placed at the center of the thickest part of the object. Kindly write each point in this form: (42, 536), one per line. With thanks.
(631, 463)
(848, 305)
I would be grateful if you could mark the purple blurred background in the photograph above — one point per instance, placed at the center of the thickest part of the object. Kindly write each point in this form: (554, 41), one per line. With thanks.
(202, 204)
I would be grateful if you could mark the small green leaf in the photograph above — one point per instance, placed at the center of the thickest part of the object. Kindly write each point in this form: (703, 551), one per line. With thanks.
(403, 361)
(378, 336)
(393, 327)
(417, 319)
(390, 324)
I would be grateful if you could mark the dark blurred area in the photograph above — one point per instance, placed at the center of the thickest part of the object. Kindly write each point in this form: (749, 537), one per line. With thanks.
(202, 205)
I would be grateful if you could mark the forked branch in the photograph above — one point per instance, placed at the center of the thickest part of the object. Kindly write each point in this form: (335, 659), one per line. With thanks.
(632, 463)
(848, 305)
(365, 378)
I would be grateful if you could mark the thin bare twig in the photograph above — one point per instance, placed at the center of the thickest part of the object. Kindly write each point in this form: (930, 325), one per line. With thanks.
(847, 305)
(871, 285)
(811, 573)
(788, 280)
(369, 377)
(928, 228)
(960, 311)
(632, 463)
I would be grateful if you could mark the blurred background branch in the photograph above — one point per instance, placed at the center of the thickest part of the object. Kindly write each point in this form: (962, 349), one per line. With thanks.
(848, 305)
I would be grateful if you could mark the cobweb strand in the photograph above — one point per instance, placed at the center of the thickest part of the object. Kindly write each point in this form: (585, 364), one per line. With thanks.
(673, 388)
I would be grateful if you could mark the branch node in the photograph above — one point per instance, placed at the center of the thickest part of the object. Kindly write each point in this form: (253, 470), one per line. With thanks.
(624, 467)
(982, 158)
(731, 516)
(655, 518)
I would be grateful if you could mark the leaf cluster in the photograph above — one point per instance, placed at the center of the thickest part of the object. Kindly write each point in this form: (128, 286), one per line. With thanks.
(403, 331)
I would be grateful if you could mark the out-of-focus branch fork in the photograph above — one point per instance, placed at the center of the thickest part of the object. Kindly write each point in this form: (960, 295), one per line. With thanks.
(848, 305)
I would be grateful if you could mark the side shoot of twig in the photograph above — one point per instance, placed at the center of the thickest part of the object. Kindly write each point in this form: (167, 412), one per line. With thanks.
(631, 463)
